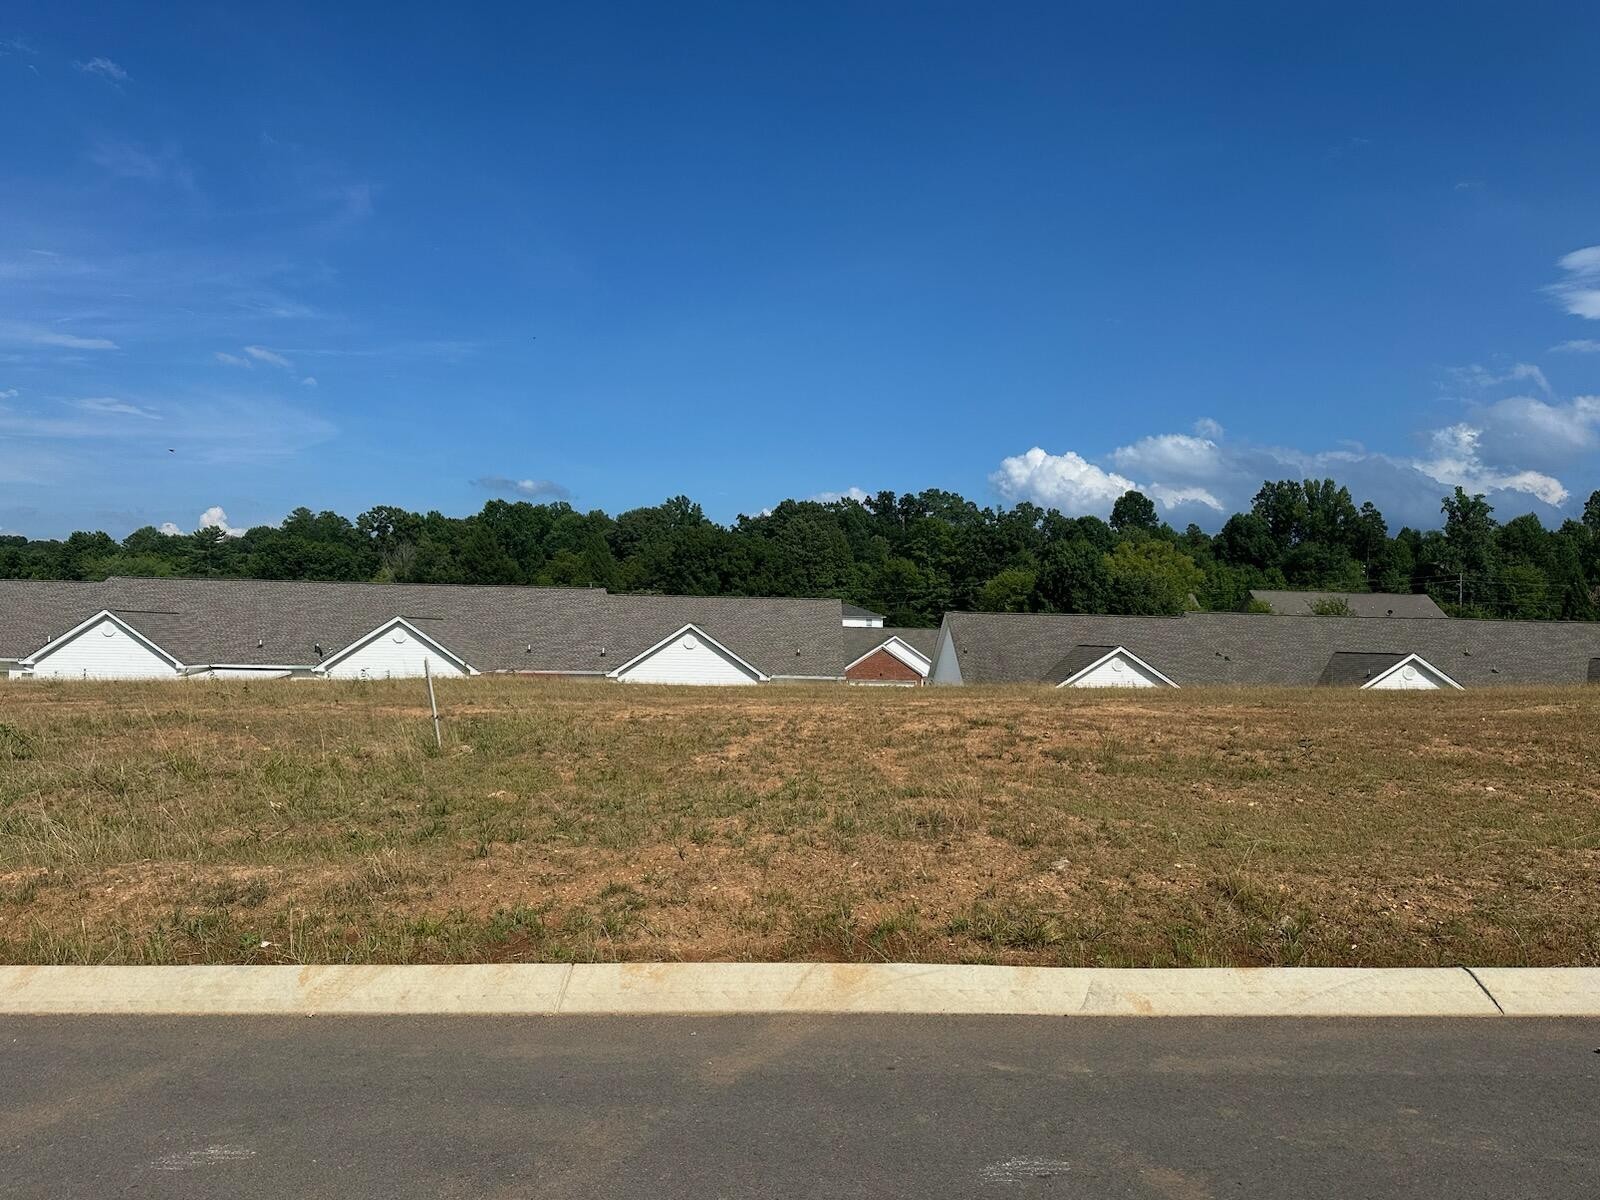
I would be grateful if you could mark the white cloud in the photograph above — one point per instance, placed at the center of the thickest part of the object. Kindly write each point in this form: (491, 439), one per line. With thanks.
(215, 518)
(859, 495)
(232, 360)
(528, 488)
(110, 406)
(104, 68)
(1064, 481)
(130, 160)
(1207, 428)
(8, 394)
(1172, 454)
(1578, 346)
(1457, 462)
(1511, 449)
(1477, 376)
(262, 354)
(1176, 497)
(1533, 432)
(309, 381)
(35, 335)
(1579, 292)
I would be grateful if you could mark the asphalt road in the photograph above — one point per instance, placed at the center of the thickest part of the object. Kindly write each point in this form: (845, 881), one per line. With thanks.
(834, 1107)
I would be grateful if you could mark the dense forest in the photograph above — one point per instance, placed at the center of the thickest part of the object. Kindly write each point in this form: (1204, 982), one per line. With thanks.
(909, 556)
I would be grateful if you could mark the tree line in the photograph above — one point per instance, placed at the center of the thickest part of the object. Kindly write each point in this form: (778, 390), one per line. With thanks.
(911, 557)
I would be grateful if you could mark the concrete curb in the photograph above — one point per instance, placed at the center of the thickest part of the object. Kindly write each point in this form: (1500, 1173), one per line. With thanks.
(703, 988)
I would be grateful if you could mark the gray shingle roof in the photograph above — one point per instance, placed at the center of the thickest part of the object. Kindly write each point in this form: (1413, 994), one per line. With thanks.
(254, 622)
(778, 635)
(1243, 648)
(1362, 604)
(1351, 666)
(33, 613)
(863, 641)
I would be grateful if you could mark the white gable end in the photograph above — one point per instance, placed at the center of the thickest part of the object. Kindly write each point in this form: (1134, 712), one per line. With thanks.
(908, 654)
(103, 649)
(946, 666)
(1117, 670)
(687, 657)
(1411, 674)
(395, 652)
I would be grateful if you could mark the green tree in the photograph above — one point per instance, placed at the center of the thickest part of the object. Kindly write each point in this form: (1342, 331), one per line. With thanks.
(1151, 577)
(1010, 591)
(1469, 544)
(1134, 513)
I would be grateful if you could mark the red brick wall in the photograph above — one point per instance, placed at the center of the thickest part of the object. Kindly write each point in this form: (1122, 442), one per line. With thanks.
(882, 666)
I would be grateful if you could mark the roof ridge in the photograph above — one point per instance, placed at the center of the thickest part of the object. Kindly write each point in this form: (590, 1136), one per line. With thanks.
(372, 583)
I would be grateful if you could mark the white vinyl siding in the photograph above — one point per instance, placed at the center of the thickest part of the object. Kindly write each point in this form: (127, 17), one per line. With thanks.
(946, 666)
(105, 650)
(688, 658)
(1411, 676)
(1117, 671)
(396, 653)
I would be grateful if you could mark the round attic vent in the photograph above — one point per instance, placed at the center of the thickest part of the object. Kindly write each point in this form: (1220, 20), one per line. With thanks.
(1116, 664)
(108, 631)
(688, 641)
(399, 636)
(1409, 672)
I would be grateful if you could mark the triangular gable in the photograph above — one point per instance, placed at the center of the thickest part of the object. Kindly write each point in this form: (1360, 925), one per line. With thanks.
(1116, 652)
(902, 650)
(694, 630)
(367, 639)
(1413, 663)
(104, 614)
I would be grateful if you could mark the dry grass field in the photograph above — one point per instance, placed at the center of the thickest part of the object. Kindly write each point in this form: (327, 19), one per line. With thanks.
(230, 822)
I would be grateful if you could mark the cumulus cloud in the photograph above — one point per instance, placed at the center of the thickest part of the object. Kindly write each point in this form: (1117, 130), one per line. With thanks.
(112, 407)
(1177, 497)
(104, 68)
(1457, 461)
(1579, 291)
(8, 393)
(1176, 454)
(309, 381)
(1511, 448)
(214, 517)
(1532, 432)
(1578, 346)
(859, 495)
(1067, 481)
(541, 489)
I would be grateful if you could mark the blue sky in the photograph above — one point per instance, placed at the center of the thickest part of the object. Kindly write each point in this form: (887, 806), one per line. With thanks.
(253, 257)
